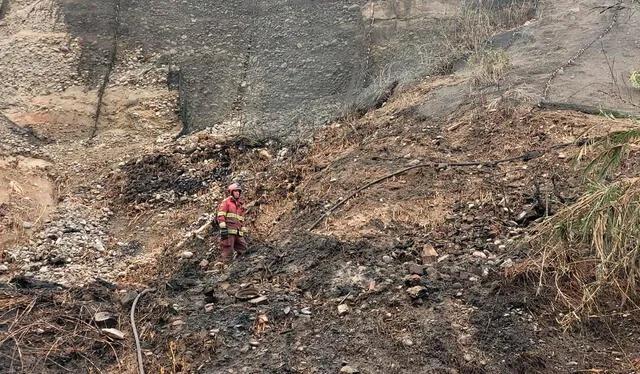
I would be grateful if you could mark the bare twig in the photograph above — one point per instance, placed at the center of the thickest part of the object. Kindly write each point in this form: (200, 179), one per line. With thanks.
(194, 233)
(19, 354)
(135, 330)
(610, 64)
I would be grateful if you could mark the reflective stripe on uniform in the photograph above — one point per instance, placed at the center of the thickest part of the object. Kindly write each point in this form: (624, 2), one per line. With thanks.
(236, 232)
(223, 225)
(231, 215)
(236, 216)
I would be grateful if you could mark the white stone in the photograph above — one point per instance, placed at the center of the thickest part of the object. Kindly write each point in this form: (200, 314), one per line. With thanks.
(113, 333)
(343, 309)
(479, 254)
(349, 370)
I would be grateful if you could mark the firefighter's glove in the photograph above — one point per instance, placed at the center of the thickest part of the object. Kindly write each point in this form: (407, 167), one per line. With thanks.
(224, 233)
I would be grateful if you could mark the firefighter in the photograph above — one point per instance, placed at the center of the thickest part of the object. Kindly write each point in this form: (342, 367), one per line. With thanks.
(231, 223)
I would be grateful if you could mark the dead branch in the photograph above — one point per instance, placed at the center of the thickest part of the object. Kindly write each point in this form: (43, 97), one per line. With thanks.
(194, 233)
(525, 157)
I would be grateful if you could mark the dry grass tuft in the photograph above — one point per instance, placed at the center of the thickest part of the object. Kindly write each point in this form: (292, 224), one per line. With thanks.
(489, 67)
(614, 147)
(590, 251)
(477, 21)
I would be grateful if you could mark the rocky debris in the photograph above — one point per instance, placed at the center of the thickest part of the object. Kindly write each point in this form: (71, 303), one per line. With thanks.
(258, 300)
(305, 311)
(103, 316)
(52, 59)
(74, 247)
(415, 269)
(412, 280)
(127, 298)
(429, 254)
(18, 141)
(138, 68)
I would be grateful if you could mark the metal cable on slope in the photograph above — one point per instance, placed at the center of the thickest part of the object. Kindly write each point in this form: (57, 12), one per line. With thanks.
(545, 92)
(135, 330)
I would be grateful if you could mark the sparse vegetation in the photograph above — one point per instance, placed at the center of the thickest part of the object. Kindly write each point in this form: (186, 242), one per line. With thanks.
(488, 66)
(613, 148)
(478, 21)
(591, 251)
(634, 78)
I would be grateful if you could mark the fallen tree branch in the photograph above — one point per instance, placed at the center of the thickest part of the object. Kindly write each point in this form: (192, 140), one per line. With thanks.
(525, 157)
(196, 232)
(588, 109)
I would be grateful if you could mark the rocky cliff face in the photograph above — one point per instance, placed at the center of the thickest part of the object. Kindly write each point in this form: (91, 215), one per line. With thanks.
(270, 67)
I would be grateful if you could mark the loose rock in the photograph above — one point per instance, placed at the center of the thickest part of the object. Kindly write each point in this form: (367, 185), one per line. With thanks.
(416, 292)
(113, 333)
(343, 309)
(349, 370)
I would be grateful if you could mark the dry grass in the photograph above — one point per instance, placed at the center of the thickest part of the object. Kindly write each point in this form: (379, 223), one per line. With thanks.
(477, 22)
(590, 251)
(489, 67)
(614, 147)
(42, 334)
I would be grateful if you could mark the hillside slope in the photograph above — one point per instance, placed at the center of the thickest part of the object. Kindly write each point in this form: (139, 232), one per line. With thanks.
(391, 241)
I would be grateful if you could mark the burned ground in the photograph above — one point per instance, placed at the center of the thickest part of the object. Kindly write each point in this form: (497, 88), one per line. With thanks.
(404, 308)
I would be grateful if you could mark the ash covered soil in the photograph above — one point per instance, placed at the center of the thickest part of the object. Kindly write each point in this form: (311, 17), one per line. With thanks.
(422, 272)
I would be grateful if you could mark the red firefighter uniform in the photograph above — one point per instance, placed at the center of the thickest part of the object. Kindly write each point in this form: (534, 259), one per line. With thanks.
(231, 222)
